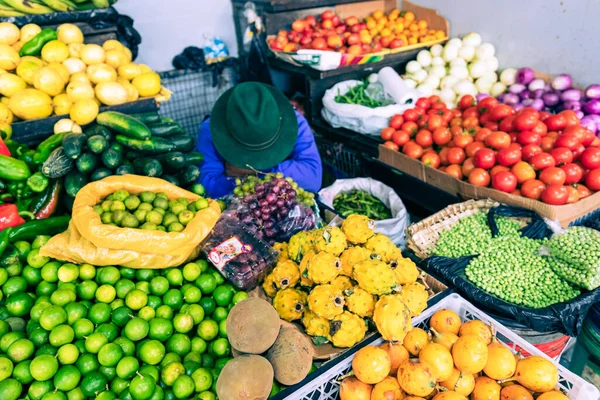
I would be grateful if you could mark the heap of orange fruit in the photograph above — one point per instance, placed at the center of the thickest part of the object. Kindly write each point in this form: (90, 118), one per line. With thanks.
(375, 33)
(455, 361)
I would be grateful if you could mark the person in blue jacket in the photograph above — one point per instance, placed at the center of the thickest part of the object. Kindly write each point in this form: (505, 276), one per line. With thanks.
(253, 127)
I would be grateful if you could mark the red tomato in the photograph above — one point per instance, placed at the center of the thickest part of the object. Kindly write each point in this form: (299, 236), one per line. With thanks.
(577, 131)
(423, 121)
(484, 119)
(466, 101)
(578, 152)
(400, 138)
(526, 121)
(592, 179)
(487, 104)
(462, 140)
(531, 150)
(528, 137)
(590, 158)
(498, 168)
(533, 189)
(455, 171)
(435, 121)
(412, 150)
(553, 176)
(456, 130)
(492, 126)
(508, 157)
(419, 111)
(396, 121)
(547, 143)
(562, 155)
(470, 123)
(516, 192)
(391, 145)
(589, 138)
(411, 115)
(504, 181)
(441, 136)
(540, 129)
(529, 110)
(542, 161)
(467, 167)
(573, 173)
(482, 134)
(573, 195)
(431, 159)
(410, 127)
(456, 155)
(583, 191)
(456, 122)
(544, 116)
(556, 122)
(523, 171)
(434, 99)
(479, 177)
(500, 112)
(515, 146)
(484, 158)
(447, 116)
(473, 148)
(424, 138)
(386, 133)
(423, 103)
(555, 195)
(444, 155)
(507, 124)
(571, 118)
(498, 140)
(470, 112)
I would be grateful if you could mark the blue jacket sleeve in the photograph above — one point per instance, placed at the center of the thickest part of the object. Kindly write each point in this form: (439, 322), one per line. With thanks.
(304, 164)
(212, 172)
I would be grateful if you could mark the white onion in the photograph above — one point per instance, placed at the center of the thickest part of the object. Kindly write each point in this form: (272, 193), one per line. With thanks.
(465, 87)
(484, 85)
(459, 72)
(447, 95)
(438, 61)
(536, 84)
(472, 39)
(450, 53)
(425, 89)
(373, 78)
(448, 82)
(455, 42)
(420, 75)
(458, 62)
(492, 64)
(424, 58)
(477, 69)
(433, 81)
(485, 51)
(466, 52)
(436, 50)
(410, 83)
(438, 71)
(491, 76)
(497, 89)
(508, 76)
(413, 66)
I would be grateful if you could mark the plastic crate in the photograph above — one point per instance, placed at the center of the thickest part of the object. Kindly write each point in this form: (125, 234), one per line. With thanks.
(339, 161)
(326, 385)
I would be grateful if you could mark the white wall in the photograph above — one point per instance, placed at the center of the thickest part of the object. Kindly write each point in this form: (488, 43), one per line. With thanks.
(168, 26)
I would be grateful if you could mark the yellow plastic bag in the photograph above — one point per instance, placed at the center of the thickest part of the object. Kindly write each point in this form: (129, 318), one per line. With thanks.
(88, 240)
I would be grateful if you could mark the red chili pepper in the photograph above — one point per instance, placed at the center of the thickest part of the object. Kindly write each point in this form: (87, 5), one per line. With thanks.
(9, 216)
(3, 148)
(51, 203)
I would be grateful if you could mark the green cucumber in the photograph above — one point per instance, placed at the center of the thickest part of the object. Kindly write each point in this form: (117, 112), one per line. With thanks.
(98, 130)
(166, 130)
(147, 118)
(150, 146)
(189, 175)
(173, 161)
(112, 158)
(97, 144)
(100, 173)
(86, 163)
(73, 144)
(12, 169)
(125, 169)
(124, 124)
(182, 143)
(171, 179)
(148, 167)
(193, 158)
(58, 164)
(74, 181)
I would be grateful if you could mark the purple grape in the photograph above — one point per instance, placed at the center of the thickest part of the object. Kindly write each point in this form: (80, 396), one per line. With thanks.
(269, 224)
(257, 213)
(266, 217)
(271, 198)
(263, 203)
(291, 194)
(269, 232)
(260, 194)
(276, 189)
(247, 219)
(265, 209)
(253, 205)
(248, 198)
(272, 208)
(284, 212)
(259, 188)
(280, 203)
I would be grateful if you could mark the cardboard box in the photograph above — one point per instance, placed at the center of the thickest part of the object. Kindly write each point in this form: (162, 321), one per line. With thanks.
(565, 215)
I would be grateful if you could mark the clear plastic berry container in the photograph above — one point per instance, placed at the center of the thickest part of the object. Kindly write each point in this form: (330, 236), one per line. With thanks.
(241, 257)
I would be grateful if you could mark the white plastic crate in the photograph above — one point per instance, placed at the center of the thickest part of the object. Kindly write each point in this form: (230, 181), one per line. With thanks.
(326, 385)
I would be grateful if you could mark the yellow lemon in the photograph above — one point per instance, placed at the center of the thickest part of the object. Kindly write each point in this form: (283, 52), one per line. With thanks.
(101, 73)
(6, 116)
(49, 81)
(9, 57)
(77, 91)
(75, 49)
(17, 46)
(36, 60)
(129, 71)
(145, 68)
(31, 104)
(5, 101)
(74, 65)
(66, 125)
(5, 130)
(92, 54)
(29, 31)
(9, 33)
(147, 84)
(111, 93)
(132, 92)
(69, 33)
(84, 112)
(55, 51)
(62, 70)
(11, 84)
(80, 77)
(112, 44)
(115, 58)
(128, 54)
(62, 104)
(26, 70)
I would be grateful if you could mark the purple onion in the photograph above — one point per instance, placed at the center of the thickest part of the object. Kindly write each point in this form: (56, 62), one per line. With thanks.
(596, 119)
(592, 91)
(562, 82)
(571, 105)
(589, 123)
(536, 84)
(548, 87)
(527, 102)
(511, 99)
(524, 94)
(551, 98)
(525, 75)
(481, 96)
(500, 98)
(518, 107)
(516, 88)
(579, 114)
(536, 94)
(537, 104)
(571, 94)
(592, 107)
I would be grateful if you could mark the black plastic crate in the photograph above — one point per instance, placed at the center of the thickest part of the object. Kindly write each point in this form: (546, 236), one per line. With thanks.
(339, 162)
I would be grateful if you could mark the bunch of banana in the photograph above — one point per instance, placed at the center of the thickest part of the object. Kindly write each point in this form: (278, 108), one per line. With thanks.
(16, 8)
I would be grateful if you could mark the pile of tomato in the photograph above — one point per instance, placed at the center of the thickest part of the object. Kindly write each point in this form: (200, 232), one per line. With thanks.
(542, 156)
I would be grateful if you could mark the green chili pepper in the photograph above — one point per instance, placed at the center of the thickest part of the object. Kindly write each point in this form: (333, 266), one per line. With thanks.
(35, 45)
(37, 182)
(4, 234)
(46, 147)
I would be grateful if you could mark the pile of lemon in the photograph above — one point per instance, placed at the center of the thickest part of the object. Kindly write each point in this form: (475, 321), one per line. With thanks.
(69, 77)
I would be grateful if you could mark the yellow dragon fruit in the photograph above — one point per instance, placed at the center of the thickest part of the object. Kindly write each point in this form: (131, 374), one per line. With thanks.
(289, 304)
(304, 280)
(282, 248)
(299, 245)
(376, 277)
(406, 271)
(360, 302)
(286, 274)
(414, 295)
(330, 239)
(358, 228)
(347, 329)
(392, 318)
(313, 325)
(342, 283)
(269, 286)
(384, 247)
(326, 301)
(323, 267)
(351, 256)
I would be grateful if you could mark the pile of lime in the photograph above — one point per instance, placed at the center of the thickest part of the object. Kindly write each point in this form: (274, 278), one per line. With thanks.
(151, 211)
(83, 332)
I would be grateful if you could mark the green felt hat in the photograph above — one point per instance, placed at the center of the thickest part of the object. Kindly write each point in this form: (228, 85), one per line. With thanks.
(253, 125)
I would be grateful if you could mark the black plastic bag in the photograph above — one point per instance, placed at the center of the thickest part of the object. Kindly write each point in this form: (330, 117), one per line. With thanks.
(566, 317)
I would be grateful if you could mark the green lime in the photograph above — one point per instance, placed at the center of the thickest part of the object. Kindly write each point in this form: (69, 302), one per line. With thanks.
(6, 368)
(127, 273)
(23, 248)
(106, 395)
(15, 269)
(221, 362)
(171, 372)
(106, 293)
(149, 226)
(197, 313)
(179, 344)
(136, 299)
(93, 383)
(99, 313)
(136, 329)
(37, 390)
(63, 296)
(94, 342)
(37, 309)
(119, 385)
(132, 202)
(274, 389)
(218, 277)
(154, 302)
(67, 378)
(83, 327)
(223, 295)
(169, 219)
(68, 272)
(191, 366)
(14, 284)
(3, 276)
(49, 269)
(223, 328)
(148, 197)
(175, 276)
(21, 372)
(117, 206)
(173, 298)
(183, 387)
(87, 363)
(87, 271)
(161, 202)
(87, 290)
(142, 387)
(199, 345)
(108, 275)
(11, 389)
(75, 311)
(193, 357)
(67, 354)
(19, 304)
(109, 355)
(208, 329)
(183, 323)
(46, 349)
(140, 215)
(208, 304)
(121, 316)
(160, 329)
(203, 264)
(220, 347)
(76, 394)
(52, 316)
(152, 352)
(159, 285)
(192, 295)
(43, 367)
(202, 379)
(127, 367)
(147, 313)
(207, 283)
(201, 204)
(150, 370)
(45, 288)
(33, 276)
(36, 260)
(208, 360)
(127, 345)
(80, 344)
(191, 271)
(220, 314)
(61, 334)
(124, 286)
(109, 372)
(175, 227)
(39, 241)
(145, 274)
(164, 311)
(143, 286)
(207, 396)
